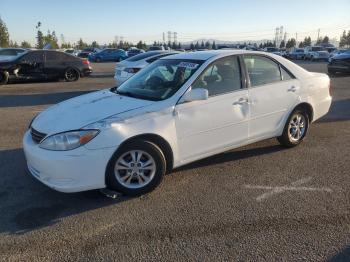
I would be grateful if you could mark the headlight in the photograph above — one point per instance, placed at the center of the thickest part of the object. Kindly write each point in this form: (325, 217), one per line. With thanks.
(68, 140)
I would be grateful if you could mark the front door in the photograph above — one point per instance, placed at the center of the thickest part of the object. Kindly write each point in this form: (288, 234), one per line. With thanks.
(31, 65)
(221, 121)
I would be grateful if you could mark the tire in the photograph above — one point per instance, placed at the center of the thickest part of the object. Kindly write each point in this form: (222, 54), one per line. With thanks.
(128, 179)
(71, 75)
(4, 78)
(98, 60)
(291, 136)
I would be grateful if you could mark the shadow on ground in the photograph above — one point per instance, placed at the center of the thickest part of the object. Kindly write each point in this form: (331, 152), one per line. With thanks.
(339, 111)
(26, 204)
(38, 99)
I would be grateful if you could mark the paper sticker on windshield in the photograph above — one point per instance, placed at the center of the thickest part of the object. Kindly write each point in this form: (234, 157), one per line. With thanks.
(188, 65)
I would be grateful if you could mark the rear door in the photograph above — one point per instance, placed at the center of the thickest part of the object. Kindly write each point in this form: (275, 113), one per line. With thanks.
(55, 63)
(273, 92)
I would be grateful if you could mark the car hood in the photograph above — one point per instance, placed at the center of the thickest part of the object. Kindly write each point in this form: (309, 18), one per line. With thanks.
(80, 111)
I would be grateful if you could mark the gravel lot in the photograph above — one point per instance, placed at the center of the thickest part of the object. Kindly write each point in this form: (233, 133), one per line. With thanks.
(223, 208)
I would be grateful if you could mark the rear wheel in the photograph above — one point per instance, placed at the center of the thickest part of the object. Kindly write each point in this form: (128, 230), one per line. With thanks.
(4, 77)
(98, 60)
(136, 168)
(71, 75)
(295, 129)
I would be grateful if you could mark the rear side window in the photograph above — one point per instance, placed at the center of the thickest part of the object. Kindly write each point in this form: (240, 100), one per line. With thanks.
(286, 75)
(55, 56)
(262, 70)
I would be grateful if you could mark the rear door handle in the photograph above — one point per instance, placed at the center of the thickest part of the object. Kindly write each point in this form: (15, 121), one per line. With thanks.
(241, 101)
(292, 89)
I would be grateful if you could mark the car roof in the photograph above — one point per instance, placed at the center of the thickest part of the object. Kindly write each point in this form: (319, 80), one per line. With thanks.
(205, 55)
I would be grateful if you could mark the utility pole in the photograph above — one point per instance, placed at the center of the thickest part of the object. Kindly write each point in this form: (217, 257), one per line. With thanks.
(318, 35)
(175, 37)
(163, 38)
(169, 36)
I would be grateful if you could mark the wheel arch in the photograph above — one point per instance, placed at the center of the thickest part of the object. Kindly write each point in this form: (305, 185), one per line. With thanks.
(307, 108)
(73, 67)
(158, 140)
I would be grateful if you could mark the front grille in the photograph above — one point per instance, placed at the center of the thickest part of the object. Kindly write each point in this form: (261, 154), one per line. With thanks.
(36, 135)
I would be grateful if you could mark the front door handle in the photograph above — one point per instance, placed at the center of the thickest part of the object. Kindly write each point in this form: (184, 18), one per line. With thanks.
(241, 101)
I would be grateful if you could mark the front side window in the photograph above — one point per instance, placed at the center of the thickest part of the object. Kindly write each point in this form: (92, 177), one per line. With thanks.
(222, 76)
(33, 57)
(160, 80)
(262, 70)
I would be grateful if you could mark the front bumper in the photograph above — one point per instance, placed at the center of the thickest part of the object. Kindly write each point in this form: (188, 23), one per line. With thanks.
(76, 170)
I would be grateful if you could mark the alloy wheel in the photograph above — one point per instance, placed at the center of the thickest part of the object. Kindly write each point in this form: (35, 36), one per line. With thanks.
(135, 169)
(71, 75)
(297, 127)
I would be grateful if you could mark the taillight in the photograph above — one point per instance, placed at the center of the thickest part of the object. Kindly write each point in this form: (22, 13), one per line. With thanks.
(132, 70)
(86, 62)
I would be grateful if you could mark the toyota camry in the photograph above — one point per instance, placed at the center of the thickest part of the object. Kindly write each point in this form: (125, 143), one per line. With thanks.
(179, 109)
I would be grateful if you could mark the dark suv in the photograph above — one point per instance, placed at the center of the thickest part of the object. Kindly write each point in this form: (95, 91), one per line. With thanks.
(43, 65)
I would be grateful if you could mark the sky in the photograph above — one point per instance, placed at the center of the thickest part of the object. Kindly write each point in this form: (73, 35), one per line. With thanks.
(228, 20)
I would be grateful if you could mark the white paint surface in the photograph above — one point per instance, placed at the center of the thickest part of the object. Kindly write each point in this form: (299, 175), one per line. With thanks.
(295, 186)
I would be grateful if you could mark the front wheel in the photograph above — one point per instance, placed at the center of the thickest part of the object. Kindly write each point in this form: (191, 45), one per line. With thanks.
(71, 75)
(295, 129)
(136, 168)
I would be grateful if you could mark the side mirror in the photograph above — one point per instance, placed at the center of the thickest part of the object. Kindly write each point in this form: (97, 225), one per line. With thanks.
(195, 94)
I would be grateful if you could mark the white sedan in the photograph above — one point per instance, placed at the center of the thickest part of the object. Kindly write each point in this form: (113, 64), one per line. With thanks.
(179, 109)
(128, 67)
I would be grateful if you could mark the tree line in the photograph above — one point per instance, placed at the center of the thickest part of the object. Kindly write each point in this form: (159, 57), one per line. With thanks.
(50, 38)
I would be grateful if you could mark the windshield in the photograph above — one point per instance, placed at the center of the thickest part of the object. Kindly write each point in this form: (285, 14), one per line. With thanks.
(160, 80)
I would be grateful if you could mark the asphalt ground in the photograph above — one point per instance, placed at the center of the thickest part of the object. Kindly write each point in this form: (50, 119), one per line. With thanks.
(261, 202)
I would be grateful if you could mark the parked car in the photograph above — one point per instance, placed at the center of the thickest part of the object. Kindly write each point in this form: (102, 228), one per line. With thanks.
(72, 52)
(338, 52)
(156, 48)
(108, 54)
(316, 53)
(202, 104)
(87, 51)
(9, 53)
(43, 65)
(127, 68)
(339, 63)
(134, 51)
(296, 54)
(273, 50)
